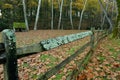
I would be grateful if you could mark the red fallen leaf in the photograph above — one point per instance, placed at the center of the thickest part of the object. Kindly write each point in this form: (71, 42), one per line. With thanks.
(116, 65)
(102, 73)
(90, 76)
(81, 77)
(25, 76)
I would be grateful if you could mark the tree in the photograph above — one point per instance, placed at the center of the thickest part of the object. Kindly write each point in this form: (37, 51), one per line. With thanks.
(25, 15)
(103, 20)
(116, 31)
(71, 21)
(82, 14)
(52, 14)
(31, 5)
(60, 17)
(37, 15)
(106, 15)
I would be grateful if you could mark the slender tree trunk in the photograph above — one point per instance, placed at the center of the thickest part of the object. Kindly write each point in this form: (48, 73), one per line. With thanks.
(103, 20)
(25, 15)
(60, 17)
(37, 15)
(105, 13)
(52, 15)
(81, 16)
(58, 3)
(116, 8)
(71, 21)
(116, 31)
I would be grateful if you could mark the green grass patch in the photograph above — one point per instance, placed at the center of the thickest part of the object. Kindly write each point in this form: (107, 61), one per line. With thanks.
(112, 49)
(44, 57)
(72, 50)
(101, 58)
(115, 69)
(58, 77)
(25, 64)
(52, 64)
(51, 59)
(115, 54)
(34, 76)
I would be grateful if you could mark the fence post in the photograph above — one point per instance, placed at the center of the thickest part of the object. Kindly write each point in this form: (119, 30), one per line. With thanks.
(10, 66)
(92, 39)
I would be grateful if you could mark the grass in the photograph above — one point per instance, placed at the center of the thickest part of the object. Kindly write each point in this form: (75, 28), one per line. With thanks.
(49, 58)
(101, 58)
(25, 64)
(72, 50)
(58, 76)
(115, 54)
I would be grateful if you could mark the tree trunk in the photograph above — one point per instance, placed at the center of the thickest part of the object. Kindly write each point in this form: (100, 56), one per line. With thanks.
(82, 14)
(25, 15)
(37, 15)
(71, 21)
(103, 20)
(52, 15)
(105, 13)
(116, 31)
(58, 3)
(60, 17)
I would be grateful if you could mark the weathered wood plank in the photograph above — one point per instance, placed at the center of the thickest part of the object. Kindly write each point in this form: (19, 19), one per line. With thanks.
(55, 42)
(10, 66)
(35, 48)
(2, 47)
(54, 70)
(47, 44)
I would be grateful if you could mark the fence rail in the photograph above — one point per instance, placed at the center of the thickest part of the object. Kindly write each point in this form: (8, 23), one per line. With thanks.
(9, 53)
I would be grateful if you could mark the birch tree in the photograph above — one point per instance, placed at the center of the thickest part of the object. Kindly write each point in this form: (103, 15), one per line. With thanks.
(52, 15)
(60, 17)
(103, 20)
(25, 15)
(116, 31)
(58, 3)
(71, 21)
(37, 15)
(81, 16)
(105, 13)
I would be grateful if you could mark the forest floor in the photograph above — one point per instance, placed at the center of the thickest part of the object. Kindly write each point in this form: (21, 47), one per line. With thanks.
(105, 62)
(104, 65)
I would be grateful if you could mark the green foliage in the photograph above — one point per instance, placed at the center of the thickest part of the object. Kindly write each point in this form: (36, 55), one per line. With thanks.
(116, 31)
(32, 3)
(7, 6)
(25, 64)
(19, 25)
(58, 77)
(101, 58)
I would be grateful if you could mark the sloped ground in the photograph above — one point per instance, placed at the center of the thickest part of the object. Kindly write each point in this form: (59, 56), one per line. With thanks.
(35, 65)
(105, 63)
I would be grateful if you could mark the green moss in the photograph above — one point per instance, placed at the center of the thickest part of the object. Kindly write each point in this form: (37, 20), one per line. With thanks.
(19, 25)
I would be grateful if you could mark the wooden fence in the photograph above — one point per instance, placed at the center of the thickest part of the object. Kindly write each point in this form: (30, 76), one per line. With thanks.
(9, 53)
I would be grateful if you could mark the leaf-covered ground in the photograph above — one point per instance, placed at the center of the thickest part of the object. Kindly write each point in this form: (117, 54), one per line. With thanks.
(31, 67)
(104, 65)
(105, 62)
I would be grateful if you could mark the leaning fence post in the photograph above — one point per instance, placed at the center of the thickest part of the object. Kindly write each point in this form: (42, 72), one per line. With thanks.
(10, 66)
(92, 39)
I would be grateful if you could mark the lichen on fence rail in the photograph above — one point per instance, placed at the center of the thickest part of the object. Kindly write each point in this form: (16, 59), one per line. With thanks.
(55, 42)
(47, 45)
